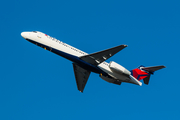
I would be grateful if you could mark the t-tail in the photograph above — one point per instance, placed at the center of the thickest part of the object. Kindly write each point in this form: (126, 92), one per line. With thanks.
(145, 72)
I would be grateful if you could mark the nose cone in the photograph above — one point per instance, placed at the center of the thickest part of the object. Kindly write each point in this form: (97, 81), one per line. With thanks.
(25, 35)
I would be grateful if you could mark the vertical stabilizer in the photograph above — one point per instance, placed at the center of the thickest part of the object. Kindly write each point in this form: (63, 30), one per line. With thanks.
(145, 72)
(139, 74)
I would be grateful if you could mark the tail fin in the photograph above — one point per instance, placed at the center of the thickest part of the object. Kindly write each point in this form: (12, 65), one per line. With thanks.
(145, 72)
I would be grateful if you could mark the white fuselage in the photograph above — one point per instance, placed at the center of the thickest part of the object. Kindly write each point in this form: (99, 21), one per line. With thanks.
(52, 43)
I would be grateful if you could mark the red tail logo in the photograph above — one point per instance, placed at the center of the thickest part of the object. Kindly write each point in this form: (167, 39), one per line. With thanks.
(139, 74)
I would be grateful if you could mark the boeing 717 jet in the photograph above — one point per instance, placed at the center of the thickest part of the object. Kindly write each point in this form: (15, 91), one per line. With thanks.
(84, 63)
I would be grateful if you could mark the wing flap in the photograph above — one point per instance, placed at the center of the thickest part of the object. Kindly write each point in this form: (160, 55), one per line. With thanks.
(81, 76)
(99, 57)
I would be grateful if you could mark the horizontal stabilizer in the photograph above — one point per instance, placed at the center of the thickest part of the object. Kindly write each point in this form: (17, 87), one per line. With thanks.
(146, 80)
(145, 72)
(152, 69)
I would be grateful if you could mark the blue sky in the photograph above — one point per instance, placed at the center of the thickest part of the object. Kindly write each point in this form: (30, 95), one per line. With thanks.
(36, 84)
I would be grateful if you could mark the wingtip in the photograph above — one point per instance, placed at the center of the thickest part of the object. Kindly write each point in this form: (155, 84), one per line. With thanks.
(81, 91)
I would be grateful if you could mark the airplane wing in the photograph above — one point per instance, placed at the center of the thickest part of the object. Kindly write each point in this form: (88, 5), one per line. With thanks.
(81, 76)
(99, 57)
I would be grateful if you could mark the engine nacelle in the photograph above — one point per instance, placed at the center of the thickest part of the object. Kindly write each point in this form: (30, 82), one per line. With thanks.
(110, 80)
(118, 68)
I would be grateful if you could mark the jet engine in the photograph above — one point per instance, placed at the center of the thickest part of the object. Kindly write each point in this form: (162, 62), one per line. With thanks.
(118, 68)
(110, 80)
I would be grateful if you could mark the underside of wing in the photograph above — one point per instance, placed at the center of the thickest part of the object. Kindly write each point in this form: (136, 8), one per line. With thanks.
(99, 57)
(81, 76)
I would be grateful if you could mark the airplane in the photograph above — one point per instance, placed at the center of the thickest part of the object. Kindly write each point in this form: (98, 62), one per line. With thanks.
(84, 64)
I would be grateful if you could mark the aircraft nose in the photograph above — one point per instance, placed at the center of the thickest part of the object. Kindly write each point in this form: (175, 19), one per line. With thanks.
(24, 34)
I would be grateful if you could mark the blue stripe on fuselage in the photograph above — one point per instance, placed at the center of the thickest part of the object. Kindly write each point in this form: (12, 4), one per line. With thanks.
(72, 58)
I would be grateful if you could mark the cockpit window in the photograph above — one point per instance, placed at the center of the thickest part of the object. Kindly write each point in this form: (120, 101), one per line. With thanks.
(34, 31)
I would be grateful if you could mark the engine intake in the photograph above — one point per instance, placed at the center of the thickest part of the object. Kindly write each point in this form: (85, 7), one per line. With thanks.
(118, 68)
